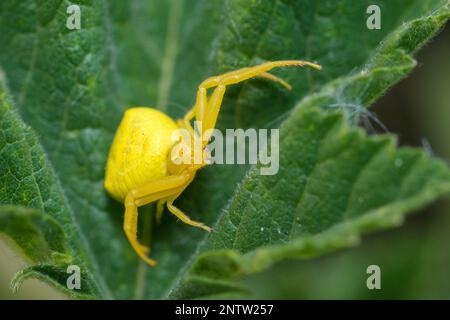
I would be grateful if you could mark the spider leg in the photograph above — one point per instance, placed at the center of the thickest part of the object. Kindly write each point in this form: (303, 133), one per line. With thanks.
(183, 217)
(198, 109)
(130, 228)
(170, 199)
(208, 110)
(215, 102)
(177, 212)
(270, 76)
(250, 72)
(138, 197)
(169, 196)
(186, 121)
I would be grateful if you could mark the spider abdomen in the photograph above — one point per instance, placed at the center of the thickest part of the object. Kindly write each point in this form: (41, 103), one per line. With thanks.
(139, 151)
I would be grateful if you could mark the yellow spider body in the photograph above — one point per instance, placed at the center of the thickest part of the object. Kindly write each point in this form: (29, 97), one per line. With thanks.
(139, 152)
(141, 168)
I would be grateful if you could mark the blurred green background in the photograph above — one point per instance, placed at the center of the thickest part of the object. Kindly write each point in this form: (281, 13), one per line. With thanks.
(414, 259)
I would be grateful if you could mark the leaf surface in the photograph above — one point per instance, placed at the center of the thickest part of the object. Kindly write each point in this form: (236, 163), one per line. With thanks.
(70, 88)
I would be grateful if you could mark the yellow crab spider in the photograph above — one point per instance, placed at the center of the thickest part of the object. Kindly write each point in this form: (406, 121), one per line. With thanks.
(140, 168)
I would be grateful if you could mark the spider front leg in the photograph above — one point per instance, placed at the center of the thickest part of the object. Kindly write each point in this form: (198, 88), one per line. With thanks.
(269, 76)
(250, 72)
(207, 111)
(151, 192)
(130, 228)
(198, 109)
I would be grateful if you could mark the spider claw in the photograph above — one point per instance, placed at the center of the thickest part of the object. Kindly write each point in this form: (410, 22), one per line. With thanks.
(206, 228)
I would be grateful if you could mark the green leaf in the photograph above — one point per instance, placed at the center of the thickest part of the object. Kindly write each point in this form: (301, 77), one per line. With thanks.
(37, 234)
(57, 276)
(343, 184)
(46, 234)
(71, 88)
